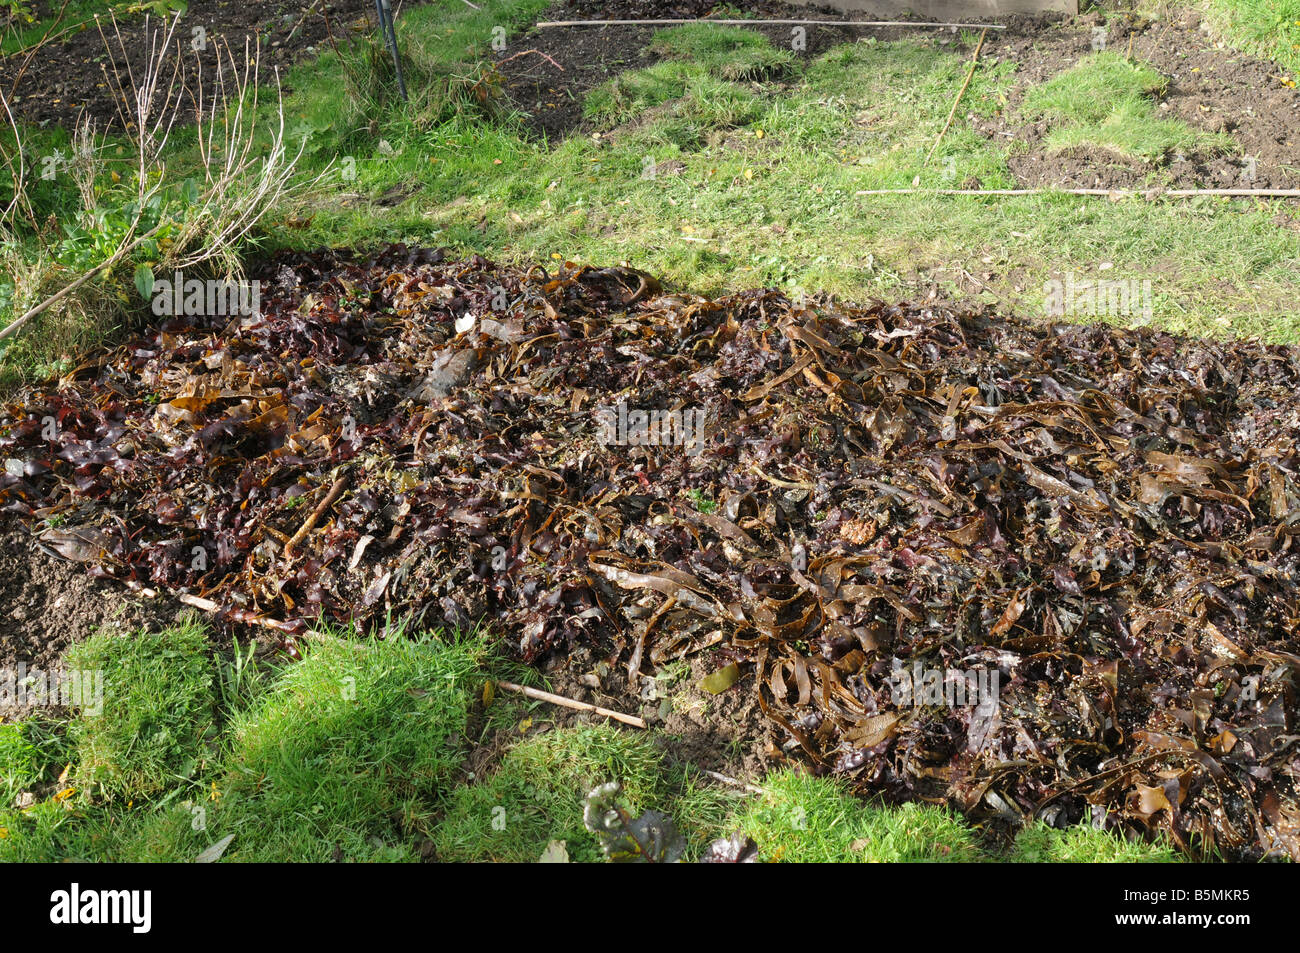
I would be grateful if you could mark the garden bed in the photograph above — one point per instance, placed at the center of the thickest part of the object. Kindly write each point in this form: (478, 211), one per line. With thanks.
(1101, 521)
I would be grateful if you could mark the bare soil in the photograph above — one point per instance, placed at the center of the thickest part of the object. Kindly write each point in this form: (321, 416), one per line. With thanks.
(48, 604)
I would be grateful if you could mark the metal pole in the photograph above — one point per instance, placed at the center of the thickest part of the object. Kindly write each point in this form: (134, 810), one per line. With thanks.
(385, 13)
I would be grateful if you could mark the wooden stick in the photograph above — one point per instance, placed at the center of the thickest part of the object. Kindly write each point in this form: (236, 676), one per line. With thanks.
(68, 289)
(213, 608)
(335, 492)
(974, 61)
(743, 785)
(1118, 193)
(547, 24)
(301, 20)
(542, 696)
(526, 53)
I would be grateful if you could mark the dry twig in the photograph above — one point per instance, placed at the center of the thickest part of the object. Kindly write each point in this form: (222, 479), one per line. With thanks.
(974, 61)
(560, 700)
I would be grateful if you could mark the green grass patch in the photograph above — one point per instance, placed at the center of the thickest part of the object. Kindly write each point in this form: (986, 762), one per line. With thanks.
(33, 754)
(1105, 102)
(628, 95)
(802, 819)
(1039, 844)
(1269, 29)
(730, 53)
(347, 755)
(24, 29)
(158, 710)
(535, 795)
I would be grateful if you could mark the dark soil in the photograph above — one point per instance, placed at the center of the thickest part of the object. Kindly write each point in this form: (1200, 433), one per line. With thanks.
(48, 604)
(64, 80)
(1229, 92)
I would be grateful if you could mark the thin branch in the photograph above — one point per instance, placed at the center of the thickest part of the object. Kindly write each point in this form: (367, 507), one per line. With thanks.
(1149, 194)
(974, 61)
(58, 296)
(330, 499)
(560, 700)
(548, 24)
(735, 783)
(538, 53)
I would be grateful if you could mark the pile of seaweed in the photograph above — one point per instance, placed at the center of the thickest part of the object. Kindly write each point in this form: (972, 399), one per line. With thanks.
(815, 495)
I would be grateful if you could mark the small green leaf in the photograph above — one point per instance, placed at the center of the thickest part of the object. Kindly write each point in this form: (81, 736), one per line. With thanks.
(144, 280)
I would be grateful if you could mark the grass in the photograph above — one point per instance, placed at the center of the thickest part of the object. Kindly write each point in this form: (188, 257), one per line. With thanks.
(1269, 29)
(1040, 844)
(33, 754)
(733, 54)
(754, 184)
(801, 819)
(1105, 102)
(630, 94)
(158, 711)
(347, 755)
(25, 29)
(536, 793)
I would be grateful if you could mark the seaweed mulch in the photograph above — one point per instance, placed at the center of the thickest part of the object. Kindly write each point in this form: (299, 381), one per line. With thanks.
(800, 497)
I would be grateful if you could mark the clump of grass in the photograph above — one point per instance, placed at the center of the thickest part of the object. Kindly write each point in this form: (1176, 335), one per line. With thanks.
(33, 753)
(734, 54)
(629, 94)
(671, 104)
(52, 831)
(157, 710)
(50, 342)
(347, 755)
(1265, 28)
(536, 793)
(817, 820)
(1039, 843)
(436, 90)
(1105, 101)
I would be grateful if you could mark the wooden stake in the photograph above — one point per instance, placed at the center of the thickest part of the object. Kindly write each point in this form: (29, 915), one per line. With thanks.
(974, 60)
(549, 24)
(1117, 193)
(542, 696)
